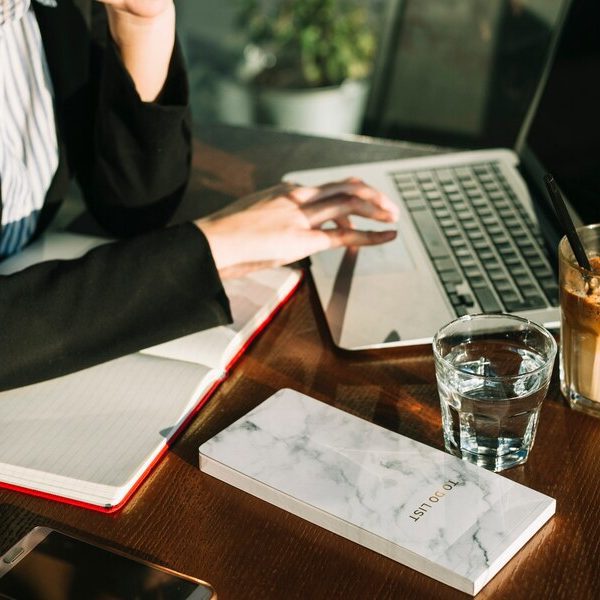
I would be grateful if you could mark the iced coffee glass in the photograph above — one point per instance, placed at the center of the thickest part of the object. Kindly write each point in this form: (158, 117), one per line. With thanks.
(580, 323)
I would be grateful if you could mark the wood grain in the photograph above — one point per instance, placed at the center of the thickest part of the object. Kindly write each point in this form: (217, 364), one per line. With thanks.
(247, 548)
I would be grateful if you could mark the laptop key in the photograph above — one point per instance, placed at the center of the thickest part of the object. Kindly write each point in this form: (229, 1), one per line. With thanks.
(467, 261)
(470, 225)
(445, 175)
(444, 264)
(462, 251)
(467, 300)
(425, 175)
(447, 223)
(511, 259)
(530, 252)
(526, 304)
(480, 244)
(457, 243)
(503, 285)
(487, 300)
(477, 281)
(430, 234)
(473, 271)
(510, 298)
(475, 234)
(519, 271)
(536, 302)
(529, 290)
(489, 221)
(415, 203)
(442, 213)
(452, 232)
(539, 266)
(451, 276)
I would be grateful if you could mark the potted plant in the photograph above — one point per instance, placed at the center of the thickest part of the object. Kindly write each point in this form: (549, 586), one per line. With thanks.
(305, 64)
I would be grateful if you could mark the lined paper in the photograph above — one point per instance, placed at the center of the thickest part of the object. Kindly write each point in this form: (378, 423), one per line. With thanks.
(98, 427)
(253, 298)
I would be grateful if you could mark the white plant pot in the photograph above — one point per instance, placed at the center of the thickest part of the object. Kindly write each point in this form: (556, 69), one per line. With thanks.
(234, 102)
(330, 111)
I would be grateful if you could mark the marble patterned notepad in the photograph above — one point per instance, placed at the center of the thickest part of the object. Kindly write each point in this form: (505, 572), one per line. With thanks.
(426, 509)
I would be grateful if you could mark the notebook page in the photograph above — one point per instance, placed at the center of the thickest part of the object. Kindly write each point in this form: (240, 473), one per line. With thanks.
(95, 431)
(253, 298)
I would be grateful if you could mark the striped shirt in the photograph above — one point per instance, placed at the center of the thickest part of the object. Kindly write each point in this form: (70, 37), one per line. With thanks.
(28, 145)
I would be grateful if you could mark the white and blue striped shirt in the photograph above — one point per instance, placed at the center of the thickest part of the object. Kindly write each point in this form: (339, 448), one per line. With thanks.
(28, 144)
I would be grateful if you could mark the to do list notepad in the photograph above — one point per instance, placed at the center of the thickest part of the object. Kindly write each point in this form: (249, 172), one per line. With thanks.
(446, 518)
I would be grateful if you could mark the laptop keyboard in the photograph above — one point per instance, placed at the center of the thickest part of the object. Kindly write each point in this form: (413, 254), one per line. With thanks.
(483, 243)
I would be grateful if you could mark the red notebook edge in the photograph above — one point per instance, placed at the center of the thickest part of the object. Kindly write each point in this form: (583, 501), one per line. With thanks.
(265, 322)
(110, 509)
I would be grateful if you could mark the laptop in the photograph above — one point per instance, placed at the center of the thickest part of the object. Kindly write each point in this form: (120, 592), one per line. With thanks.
(474, 235)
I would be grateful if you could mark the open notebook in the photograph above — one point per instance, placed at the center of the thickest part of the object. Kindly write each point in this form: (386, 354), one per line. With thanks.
(91, 437)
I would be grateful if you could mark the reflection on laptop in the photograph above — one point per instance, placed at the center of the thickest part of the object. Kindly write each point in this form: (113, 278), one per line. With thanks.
(469, 241)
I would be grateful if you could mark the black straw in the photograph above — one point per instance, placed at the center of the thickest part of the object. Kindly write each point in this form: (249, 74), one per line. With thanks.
(565, 220)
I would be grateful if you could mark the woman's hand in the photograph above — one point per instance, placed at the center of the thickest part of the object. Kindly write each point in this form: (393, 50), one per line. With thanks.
(144, 32)
(285, 223)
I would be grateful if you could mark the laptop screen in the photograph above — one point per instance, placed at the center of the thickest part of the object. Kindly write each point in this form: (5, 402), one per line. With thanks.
(464, 73)
(565, 132)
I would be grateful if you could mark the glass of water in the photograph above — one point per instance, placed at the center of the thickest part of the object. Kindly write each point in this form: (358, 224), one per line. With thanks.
(493, 373)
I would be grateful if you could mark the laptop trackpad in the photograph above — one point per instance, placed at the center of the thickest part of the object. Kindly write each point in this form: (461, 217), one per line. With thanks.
(392, 257)
(376, 296)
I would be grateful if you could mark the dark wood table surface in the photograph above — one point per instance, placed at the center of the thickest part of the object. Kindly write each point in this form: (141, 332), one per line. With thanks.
(247, 548)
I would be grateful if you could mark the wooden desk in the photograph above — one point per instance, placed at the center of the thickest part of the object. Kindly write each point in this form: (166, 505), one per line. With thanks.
(247, 548)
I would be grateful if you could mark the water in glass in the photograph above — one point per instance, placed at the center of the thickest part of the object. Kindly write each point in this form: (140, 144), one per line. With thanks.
(491, 393)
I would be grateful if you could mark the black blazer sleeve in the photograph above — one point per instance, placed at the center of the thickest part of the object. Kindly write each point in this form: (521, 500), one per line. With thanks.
(61, 316)
(132, 164)
(141, 150)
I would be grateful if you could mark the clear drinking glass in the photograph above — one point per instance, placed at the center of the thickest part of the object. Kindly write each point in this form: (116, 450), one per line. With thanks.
(580, 323)
(493, 373)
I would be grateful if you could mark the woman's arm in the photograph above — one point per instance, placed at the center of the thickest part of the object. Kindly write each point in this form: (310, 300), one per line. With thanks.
(61, 316)
(64, 315)
(144, 32)
(140, 162)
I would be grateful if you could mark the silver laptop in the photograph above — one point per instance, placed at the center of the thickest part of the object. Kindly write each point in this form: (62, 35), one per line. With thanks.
(469, 241)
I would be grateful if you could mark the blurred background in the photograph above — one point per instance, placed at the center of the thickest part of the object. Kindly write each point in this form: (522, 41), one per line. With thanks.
(457, 73)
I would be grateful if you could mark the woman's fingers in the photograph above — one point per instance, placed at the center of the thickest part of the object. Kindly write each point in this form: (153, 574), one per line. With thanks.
(325, 239)
(336, 207)
(312, 193)
(348, 187)
(343, 223)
